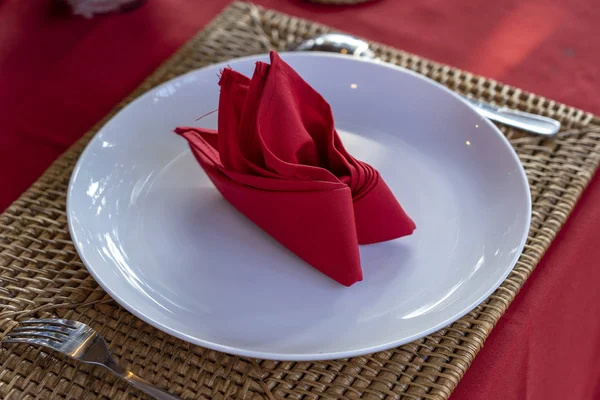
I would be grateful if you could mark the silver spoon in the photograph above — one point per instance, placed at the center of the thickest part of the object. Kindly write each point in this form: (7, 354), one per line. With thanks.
(346, 44)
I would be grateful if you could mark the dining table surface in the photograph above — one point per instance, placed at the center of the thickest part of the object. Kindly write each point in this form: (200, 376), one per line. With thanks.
(60, 74)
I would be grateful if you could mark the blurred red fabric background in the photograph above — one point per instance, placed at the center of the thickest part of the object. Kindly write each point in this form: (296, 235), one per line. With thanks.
(60, 74)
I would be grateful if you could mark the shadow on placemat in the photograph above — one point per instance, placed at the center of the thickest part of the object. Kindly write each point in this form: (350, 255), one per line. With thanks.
(41, 274)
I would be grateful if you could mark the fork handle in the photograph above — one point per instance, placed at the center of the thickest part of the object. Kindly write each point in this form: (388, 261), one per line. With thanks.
(138, 382)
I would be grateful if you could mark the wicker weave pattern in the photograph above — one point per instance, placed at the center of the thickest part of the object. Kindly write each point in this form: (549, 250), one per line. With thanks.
(41, 274)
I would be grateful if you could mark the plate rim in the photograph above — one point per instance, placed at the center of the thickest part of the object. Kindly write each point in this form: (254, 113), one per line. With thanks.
(301, 356)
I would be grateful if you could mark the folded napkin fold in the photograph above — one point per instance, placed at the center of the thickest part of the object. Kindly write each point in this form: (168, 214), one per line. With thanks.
(278, 159)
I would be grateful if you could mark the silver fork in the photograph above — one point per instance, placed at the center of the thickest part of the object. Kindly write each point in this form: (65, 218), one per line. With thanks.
(80, 342)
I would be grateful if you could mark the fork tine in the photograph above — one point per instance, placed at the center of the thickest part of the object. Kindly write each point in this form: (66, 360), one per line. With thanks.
(52, 336)
(49, 344)
(52, 321)
(43, 328)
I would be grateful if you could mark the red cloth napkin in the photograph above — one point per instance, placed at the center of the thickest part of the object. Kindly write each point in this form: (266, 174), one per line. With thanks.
(278, 159)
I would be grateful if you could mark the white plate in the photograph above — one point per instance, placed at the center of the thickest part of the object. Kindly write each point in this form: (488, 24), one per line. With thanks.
(159, 238)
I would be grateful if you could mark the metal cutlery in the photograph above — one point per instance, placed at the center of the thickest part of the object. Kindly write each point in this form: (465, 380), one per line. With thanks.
(346, 44)
(81, 343)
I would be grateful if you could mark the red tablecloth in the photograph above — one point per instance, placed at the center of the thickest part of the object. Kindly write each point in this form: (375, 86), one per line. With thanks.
(60, 74)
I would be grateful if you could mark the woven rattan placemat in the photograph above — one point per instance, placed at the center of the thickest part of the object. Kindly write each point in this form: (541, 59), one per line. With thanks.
(41, 274)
